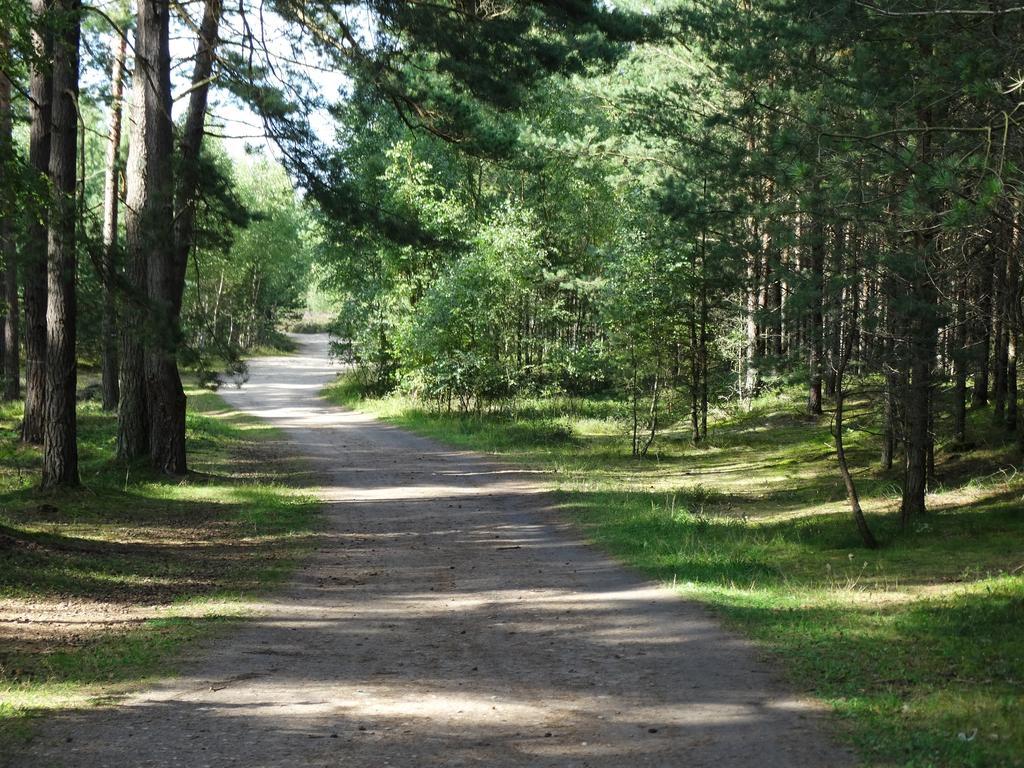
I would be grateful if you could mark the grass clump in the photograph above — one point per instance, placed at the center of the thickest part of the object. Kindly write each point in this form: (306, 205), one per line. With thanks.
(918, 646)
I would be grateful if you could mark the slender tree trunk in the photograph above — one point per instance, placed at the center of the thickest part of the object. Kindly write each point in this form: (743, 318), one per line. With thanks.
(999, 334)
(1011, 381)
(752, 379)
(694, 376)
(921, 348)
(844, 469)
(34, 254)
(890, 420)
(11, 359)
(918, 406)
(960, 371)
(111, 390)
(6, 206)
(192, 137)
(60, 441)
(890, 353)
(636, 408)
(652, 415)
(132, 413)
(1012, 323)
(703, 351)
(817, 277)
(835, 311)
(983, 329)
(703, 357)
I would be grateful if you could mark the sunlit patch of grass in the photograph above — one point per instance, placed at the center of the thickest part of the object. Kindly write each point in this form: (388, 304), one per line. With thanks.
(145, 564)
(918, 646)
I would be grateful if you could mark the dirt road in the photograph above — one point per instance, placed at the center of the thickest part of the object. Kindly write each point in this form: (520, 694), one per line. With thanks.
(446, 619)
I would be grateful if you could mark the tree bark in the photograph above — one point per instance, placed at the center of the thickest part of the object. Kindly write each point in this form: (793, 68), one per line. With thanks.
(192, 138)
(1012, 324)
(752, 377)
(844, 469)
(890, 420)
(960, 370)
(166, 264)
(817, 351)
(111, 202)
(151, 233)
(982, 340)
(12, 367)
(60, 438)
(34, 254)
(922, 341)
(918, 409)
(834, 311)
(1000, 346)
(132, 406)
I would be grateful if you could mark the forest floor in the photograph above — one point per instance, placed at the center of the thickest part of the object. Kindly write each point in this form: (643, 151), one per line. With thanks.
(918, 646)
(109, 586)
(448, 616)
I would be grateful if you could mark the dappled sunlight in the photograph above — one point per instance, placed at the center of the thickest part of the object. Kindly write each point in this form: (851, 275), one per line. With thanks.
(451, 617)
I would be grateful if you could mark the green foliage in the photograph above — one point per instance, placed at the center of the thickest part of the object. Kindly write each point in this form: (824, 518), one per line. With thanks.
(461, 342)
(250, 269)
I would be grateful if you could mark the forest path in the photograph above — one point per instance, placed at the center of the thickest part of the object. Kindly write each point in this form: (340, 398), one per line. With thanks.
(447, 619)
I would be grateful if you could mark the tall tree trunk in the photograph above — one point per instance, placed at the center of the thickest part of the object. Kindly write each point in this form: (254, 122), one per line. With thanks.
(152, 232)
(1000, 346)
(960, 370)
(844, 469)
(817, 263)
(752, 377)
(922, 340)
(983, 328)
(12, 366)
(192, 138)
(890, 417)
(166, 267)
(60, 441)
(11, 341)
(921, 348)
(835, 338)
(132, 406)
(703, 359)
(1013, 291)
(695, 366)
(34, 254)
(111, 202)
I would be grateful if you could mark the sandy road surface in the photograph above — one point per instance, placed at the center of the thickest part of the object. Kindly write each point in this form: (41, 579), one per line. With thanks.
(445, 620)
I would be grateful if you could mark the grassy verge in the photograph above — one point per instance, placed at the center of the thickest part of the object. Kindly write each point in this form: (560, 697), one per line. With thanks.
(103, 587)
(919, 646)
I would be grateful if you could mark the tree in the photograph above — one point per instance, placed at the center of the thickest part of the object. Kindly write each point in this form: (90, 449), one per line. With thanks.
(60, 442)
(152, 410)
(111, 204)
(34, 270)
(191, 141)
(8, 248)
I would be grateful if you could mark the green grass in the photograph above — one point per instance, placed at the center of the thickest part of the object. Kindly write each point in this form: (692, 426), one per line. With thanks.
(918, 646)
(143, 564)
